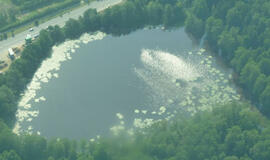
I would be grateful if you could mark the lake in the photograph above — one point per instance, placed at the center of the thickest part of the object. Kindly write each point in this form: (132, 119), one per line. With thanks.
(100, 84)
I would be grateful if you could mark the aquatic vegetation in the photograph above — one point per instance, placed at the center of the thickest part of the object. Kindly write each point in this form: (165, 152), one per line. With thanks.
(183, 82)
(162, 110)
(119, 116)
(45, 73)
(202, 50)
(92, 140)
(170, 101)
(139, 123)
(117, 129)
(144, 111)
(201, 83)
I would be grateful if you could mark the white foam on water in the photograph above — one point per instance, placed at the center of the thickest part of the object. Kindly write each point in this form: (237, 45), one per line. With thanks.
(45, 73)
(161, 71)
(172, 66)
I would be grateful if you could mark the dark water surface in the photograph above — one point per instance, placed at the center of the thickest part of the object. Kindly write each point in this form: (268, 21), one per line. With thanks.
(102, 80)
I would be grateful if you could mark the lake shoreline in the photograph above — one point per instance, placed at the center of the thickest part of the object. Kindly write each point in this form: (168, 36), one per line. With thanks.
(164, 59)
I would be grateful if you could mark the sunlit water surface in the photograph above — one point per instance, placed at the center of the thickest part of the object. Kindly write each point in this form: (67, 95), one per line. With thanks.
(101, 84)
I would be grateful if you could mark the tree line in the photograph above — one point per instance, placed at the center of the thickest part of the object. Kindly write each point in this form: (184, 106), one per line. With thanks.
(231, 132)
(8, 13)
(29, 5)
(239, 31)
(11, 12)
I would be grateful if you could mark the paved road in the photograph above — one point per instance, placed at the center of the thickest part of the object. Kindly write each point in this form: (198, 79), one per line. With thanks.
(19, 38)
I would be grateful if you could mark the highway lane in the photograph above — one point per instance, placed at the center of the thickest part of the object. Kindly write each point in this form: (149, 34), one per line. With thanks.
(18, 39)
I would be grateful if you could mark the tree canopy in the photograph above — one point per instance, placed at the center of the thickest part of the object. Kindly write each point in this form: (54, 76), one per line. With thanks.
(239, 28)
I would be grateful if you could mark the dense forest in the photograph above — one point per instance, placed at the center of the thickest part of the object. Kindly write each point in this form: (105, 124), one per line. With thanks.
(231, 132)
(236, 29)
(28, 5)
(239, 31)
(14, 13)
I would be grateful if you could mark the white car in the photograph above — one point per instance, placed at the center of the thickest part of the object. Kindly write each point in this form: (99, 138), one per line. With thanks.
(36, 36)
(31, 29)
